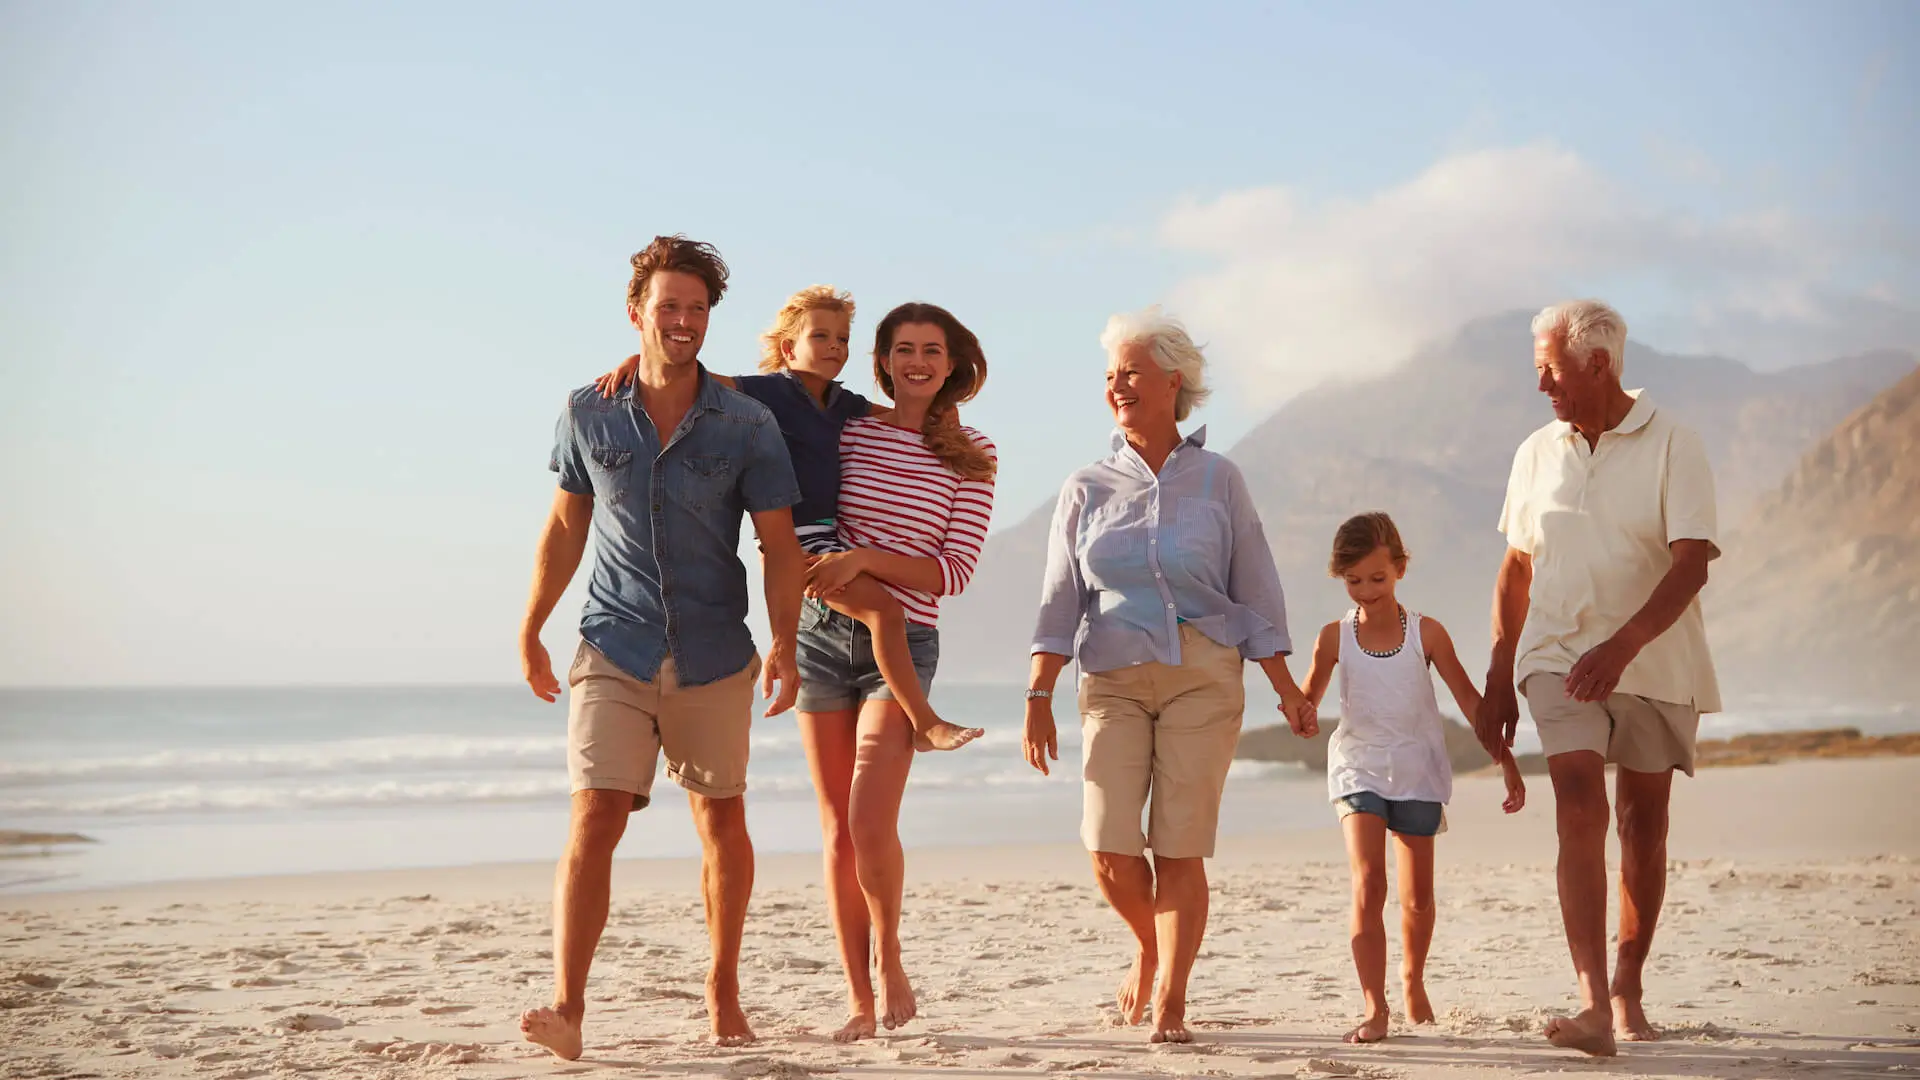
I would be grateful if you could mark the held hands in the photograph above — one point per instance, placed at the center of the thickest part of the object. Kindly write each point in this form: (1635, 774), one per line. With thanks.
(1041, 740)
(537, 668)
(1599, 671)
(1303, 716)
(1516, 787)
(828, 574)
(1497, 717)
(780, 668)
(612, 382)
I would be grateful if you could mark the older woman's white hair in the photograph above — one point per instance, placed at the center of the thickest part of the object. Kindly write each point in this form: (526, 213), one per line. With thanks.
(1589, 326)
(1172, 350)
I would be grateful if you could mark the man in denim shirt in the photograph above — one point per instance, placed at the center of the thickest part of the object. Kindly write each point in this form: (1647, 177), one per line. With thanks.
(660, 475)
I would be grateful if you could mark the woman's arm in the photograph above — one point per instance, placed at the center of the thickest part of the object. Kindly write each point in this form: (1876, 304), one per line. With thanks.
(946, 574)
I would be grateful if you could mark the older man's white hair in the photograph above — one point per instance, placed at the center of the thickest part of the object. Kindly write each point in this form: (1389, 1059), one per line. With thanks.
(1589, 326)
(1172, 350)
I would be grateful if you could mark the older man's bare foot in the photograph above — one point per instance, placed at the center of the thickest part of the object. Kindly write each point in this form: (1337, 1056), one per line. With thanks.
(1590, 1032)
(896, 997)
(860, 1025)
(1372, 1029)
(548, 1028)
(1630, 1020)
(944, 736)
(730, 1027)
(1136, 990)
(1170, 1023)
(1419, 1009)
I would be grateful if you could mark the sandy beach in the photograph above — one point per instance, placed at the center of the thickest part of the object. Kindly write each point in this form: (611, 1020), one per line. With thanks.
(1788, 948)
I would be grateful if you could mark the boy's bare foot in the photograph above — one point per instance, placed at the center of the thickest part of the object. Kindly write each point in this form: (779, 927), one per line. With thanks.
(548, 1028)
(896, 997)
(1170, 1023)
(1136, 989)
(1372, 1029)
(730, 1027)
(859, 1025)
(1630, 1021)
(1419, 1009)
(1590, 1032)
(942, 735)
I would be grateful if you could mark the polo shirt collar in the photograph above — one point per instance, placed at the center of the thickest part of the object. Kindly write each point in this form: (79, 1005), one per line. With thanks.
(834, 389)
(1636, 418)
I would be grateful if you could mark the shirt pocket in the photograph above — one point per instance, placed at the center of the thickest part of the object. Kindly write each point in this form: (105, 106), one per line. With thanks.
(708, 479)
(1200, 527)
(610, 468)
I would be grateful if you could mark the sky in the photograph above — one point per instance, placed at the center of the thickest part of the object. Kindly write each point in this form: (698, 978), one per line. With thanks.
(290, 297)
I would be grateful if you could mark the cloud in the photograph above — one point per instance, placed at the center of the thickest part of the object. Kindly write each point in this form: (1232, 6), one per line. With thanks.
(1302, 291)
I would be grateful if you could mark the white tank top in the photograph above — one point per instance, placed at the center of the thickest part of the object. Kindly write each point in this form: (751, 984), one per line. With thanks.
(1389, 741)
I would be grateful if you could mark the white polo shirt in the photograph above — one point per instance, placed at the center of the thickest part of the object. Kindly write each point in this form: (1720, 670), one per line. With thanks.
(1597, 524)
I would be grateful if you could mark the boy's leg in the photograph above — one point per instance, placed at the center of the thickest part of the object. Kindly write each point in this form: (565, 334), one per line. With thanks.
(1367, 856)
(875, 608)
(1416, 921)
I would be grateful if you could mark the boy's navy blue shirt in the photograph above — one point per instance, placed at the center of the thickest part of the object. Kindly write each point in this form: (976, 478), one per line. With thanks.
(812, 435)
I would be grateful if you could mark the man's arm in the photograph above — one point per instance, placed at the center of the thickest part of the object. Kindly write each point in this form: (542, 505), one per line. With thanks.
(785, 569)
(562, 543)
(1499, 713)
(1599, 671)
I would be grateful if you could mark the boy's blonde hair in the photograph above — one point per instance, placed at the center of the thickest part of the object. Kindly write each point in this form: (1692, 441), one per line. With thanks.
(786, 325)
(1360, 536)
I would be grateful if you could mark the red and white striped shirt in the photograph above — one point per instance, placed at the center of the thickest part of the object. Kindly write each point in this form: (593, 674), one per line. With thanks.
(896, 496)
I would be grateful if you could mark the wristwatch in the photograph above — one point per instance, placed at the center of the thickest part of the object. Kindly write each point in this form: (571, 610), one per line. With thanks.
(1039, 693)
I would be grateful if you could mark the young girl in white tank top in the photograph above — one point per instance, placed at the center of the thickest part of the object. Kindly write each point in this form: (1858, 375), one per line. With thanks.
(1387, 764)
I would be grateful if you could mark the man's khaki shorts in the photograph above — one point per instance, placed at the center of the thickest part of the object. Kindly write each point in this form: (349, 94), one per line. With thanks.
(618, 725)
(1636, 733)
(1154, 730)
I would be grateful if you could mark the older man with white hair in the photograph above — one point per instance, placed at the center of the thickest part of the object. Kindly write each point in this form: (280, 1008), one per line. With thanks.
(1610, 525)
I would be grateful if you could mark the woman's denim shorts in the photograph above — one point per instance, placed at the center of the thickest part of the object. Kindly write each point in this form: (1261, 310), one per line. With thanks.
(835, 656)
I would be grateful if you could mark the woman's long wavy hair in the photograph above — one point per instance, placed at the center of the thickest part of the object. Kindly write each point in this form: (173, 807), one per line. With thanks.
(941, 432)
(786, 325)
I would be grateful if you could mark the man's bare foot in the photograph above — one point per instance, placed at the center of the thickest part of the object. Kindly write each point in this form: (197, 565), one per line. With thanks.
(1590, 1032)
(944, 736)
(859, 1025)
(548, 1028)
(730, 1027)
(1372, 1029)
(896, 997)
(1630, 1021)
(1136, 990)
(1170, 1023)
(1419, 1009)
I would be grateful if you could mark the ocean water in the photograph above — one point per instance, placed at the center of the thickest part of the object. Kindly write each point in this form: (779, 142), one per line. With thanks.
(198, 783)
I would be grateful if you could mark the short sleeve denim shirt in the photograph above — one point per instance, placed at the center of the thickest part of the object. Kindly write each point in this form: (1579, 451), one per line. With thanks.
(667, 578)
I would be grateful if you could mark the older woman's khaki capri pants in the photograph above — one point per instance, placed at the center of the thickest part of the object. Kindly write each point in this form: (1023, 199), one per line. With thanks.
(1166, 733)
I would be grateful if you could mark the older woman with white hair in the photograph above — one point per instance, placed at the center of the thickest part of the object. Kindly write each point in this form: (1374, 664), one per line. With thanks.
(1159, 581)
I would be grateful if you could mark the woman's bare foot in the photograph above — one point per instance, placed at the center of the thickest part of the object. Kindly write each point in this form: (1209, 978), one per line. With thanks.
(896, 997)
(859, 1025)
(730, 1027)
(1590, 1032)
(1136, 990)
(548, 1028)
(1372, 1029)
(1419, 1009)
(945, 736)
(1630, 1020)
(1170, 1023)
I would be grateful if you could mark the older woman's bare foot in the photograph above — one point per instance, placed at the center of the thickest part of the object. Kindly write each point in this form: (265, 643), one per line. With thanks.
(1372, 1029)
(860, 1025)
(1630, 1020)
(896, 997)
(1590, 1032)
(730, 1027)
(944, 736)
(1419, 1009)
(1136, 989)
(548, 1028)
(1170, 1023)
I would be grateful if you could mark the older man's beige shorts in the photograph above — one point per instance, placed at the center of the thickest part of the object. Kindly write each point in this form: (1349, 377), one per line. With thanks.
(1634, 732)
(617, 726)
(1165, 733)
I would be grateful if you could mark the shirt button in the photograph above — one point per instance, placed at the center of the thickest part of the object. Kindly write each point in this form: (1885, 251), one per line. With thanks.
(1153, 540)
(1169, 606)
(1156, 573)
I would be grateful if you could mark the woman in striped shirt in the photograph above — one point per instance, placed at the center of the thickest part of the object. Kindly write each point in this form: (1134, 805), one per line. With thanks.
(916, 495)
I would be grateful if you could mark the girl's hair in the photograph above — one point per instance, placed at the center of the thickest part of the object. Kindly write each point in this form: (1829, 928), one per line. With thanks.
(786, 325)
(941, 432)
(1360, 536)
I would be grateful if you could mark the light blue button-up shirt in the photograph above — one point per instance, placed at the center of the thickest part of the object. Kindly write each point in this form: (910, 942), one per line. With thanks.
(1131, 555)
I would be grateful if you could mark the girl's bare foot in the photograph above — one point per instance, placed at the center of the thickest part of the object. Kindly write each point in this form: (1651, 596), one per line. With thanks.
(1630, 1020)
(1372, 1029)
(859, 1025)
(942, 735)
(896, 997)
(1136, 990)
(1419, 1009)
(1170, 1023)
(548, 1028)
(1590, 1032)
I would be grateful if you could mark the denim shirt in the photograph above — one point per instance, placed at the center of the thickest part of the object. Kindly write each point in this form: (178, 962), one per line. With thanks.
(1132, 555)
(667, 578)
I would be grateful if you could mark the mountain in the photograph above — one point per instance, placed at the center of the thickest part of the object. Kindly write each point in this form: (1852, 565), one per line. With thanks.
(1431, 443)
(1818, 594)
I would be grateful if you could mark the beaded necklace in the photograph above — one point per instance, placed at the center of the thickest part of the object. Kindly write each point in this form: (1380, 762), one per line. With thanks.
(1390, 653)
